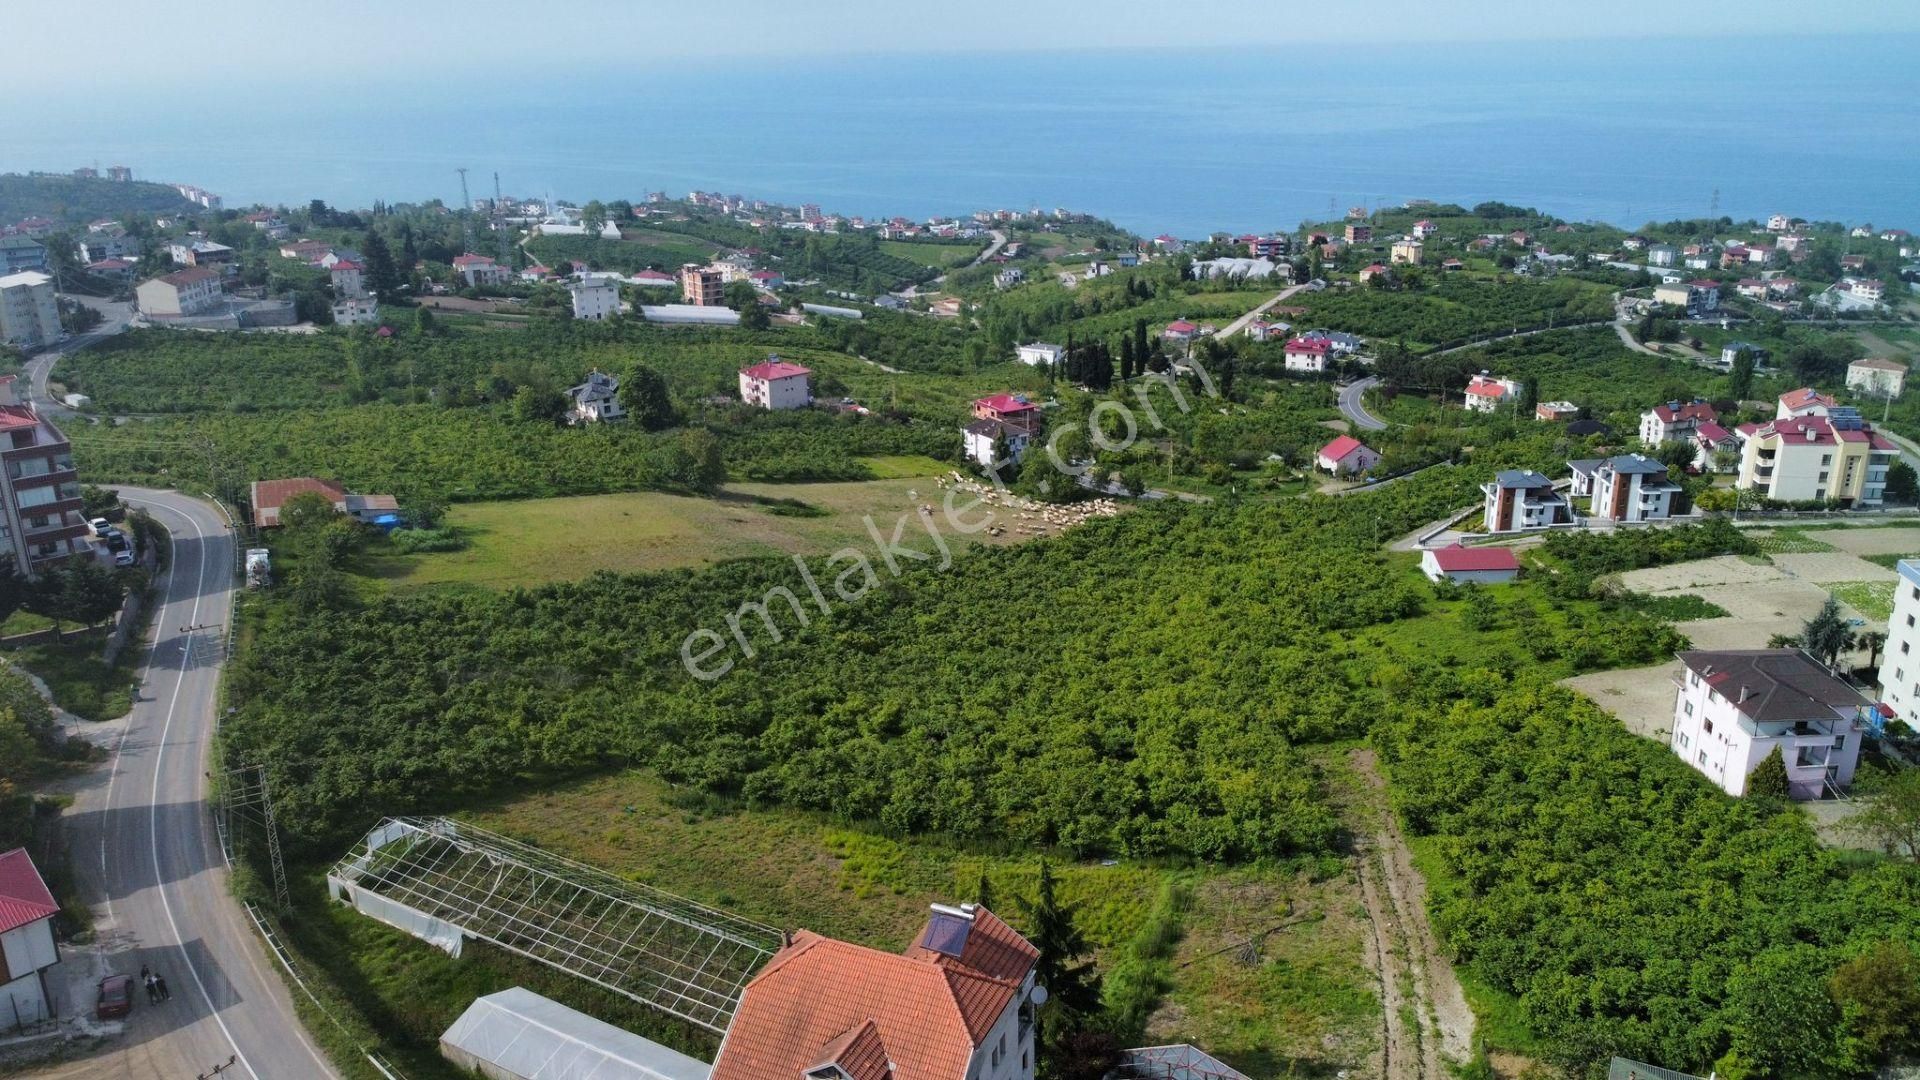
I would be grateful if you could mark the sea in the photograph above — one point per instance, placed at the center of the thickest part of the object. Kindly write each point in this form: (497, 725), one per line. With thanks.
(1186, 142)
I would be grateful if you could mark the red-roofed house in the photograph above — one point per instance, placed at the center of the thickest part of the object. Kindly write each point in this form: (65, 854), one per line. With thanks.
(1346, 455)
(1802, 402)
(269, 496)
(776, 384)
(1480, 566)
(1308, 354)
(479, 270)
(1179, 330)
(27, 948)
(1372, 270)
(1710, 440)
(1424, 229)
(957, 1005)
(1674, 421)
(767, 279)
(1485, 393)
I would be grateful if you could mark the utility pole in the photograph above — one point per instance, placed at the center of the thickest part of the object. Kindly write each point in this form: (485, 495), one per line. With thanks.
(466, 203)
(499, 222)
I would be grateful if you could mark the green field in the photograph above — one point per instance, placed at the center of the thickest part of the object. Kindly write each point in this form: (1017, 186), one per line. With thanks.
(940, 255)
(1305, 997)
(1873, 599)
(533, 541)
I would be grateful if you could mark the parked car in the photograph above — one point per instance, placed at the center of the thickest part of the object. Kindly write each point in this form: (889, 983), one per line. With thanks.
(100, 526)
(123, 558)
(115, 999)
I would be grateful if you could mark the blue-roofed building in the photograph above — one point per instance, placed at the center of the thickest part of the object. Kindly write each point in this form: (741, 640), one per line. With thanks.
(1523, 499)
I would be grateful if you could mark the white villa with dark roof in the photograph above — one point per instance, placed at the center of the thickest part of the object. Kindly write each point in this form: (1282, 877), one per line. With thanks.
(1519, 499)
(1735, 707)
(1628, 488)
(596, 400)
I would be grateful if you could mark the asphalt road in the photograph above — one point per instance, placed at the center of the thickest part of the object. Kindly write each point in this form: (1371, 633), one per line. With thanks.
(148, 858)
(1353, 410)
(117, 316)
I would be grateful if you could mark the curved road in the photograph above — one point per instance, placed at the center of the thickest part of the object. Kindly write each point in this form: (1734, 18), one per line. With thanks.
(1352, 408)
(116, 315)
(148, 859)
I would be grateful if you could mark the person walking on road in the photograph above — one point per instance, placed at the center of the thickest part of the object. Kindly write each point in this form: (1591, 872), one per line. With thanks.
(153, 990)
(161, 982)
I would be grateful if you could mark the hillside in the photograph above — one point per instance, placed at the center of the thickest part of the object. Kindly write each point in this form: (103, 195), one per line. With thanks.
(72, 200)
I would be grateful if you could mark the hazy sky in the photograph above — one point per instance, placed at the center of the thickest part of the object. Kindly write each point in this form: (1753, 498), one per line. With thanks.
(282, 43)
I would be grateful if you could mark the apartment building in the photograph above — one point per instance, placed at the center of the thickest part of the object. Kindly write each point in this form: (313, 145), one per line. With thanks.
(1519, 499)
(596, 297)
(1734, 707)
(181, 293)
(701, 285)
(1810, 457)
(1629, 488)
(776, 384)
(1900, 663)
(29, 310)
(41, 523)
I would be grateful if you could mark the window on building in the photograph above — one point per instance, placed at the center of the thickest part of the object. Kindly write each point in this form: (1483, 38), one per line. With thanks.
(1839, 743)
(1709, 727)
(1826, 459)
(1822, 478)
(1703, 759)
(1689, 707)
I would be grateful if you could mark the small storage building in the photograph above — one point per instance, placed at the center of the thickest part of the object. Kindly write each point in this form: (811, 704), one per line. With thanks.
(1465, 565)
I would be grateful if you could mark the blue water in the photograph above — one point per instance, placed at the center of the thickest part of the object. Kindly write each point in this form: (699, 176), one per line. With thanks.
(1626, 132)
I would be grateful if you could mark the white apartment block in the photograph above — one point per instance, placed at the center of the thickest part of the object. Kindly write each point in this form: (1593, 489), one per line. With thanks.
(596, 297)
(1735, 707)
(1900, 664)
(29, 310)
(776, 384)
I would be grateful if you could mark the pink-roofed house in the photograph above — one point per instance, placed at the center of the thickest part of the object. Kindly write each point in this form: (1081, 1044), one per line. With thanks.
(776, 384)
(1485, 392)
(1180, 330)
(1346, 456)
(27, 947)
(1308, 354)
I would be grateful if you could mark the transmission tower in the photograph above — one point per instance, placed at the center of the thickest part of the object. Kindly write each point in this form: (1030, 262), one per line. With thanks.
(499, 220)
(1713, 207)
(245, 792)
(466, 203)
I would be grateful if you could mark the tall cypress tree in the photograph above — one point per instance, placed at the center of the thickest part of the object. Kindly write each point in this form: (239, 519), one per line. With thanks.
(1073, 989)
(1140, 352)
(383, 280)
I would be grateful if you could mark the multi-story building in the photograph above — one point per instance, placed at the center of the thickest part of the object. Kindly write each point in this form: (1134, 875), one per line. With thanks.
(1628, 488)
(1810, 457)
(596, 297)
(1735, 707)
(479, 271)
(27, 947)
(596, 400)
(1307, 354)
(1696, 297)
(1519, 499)
(199, 253)
(97, 246)
(1003, 425)
(1406, 252)
(349, 279)
(356, 311)
(1359, 234)
(1805, 401)
(1486, 393)
(701, 285)
(181, 293)
(119, 173)
(41, 523)
(19, 252)
(29, 310)
(1675, 421)
(776, 384)
(959, 1004)
(1900, 663)
(1877, 376)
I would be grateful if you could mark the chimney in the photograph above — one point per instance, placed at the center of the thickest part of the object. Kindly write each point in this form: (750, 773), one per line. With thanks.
(1743, 695)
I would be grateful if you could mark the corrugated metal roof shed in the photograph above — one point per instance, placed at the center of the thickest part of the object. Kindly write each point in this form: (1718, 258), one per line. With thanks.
(518, 1035)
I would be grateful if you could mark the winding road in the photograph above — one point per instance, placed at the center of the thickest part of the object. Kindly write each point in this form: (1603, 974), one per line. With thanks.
(1352, 405)
(149, 863)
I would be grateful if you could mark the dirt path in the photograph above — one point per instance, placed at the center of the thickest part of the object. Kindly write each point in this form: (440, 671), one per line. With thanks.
(1425, 1022)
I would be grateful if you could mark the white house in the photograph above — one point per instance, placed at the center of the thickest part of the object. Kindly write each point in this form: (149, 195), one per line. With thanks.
(1039, 352)
(1674, 421)
(1735, 707)
(595, 400)
(181, 293)
(1346, 455)
(1465, 565)
(1632, 488)
(1307, 354)
(479, 270)
(1662, 255)
(596, 297)
(1519, 499)
(349, 281)
(1877, 376)
(775, 384)
(1486, 393)
(27, 948)
(356, 311)
(1900, 663)
(1710, 440)
(981, 437)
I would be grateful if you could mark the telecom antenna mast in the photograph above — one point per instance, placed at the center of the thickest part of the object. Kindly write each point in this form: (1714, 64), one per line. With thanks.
(466, 201)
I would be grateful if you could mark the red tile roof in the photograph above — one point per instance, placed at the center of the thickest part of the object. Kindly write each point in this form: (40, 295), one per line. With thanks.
(23, 893)
(1704, 283)
(774, 369)
(924, 1011)
(1486, 389)
(188, 277)
(1805, 397)
(1341, 447)
(270, 495)
(1317, 346)
(472, 260)
(1692, 410)
(1006, 404)
(346, 264)
(1457, 559)
(1181, 326)
(1711, 431)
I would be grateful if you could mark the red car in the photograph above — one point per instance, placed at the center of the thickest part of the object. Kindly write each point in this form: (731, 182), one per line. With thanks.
(116, 997)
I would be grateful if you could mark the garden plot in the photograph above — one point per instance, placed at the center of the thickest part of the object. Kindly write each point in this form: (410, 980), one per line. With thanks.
(1830, 566)
(1901, 541)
